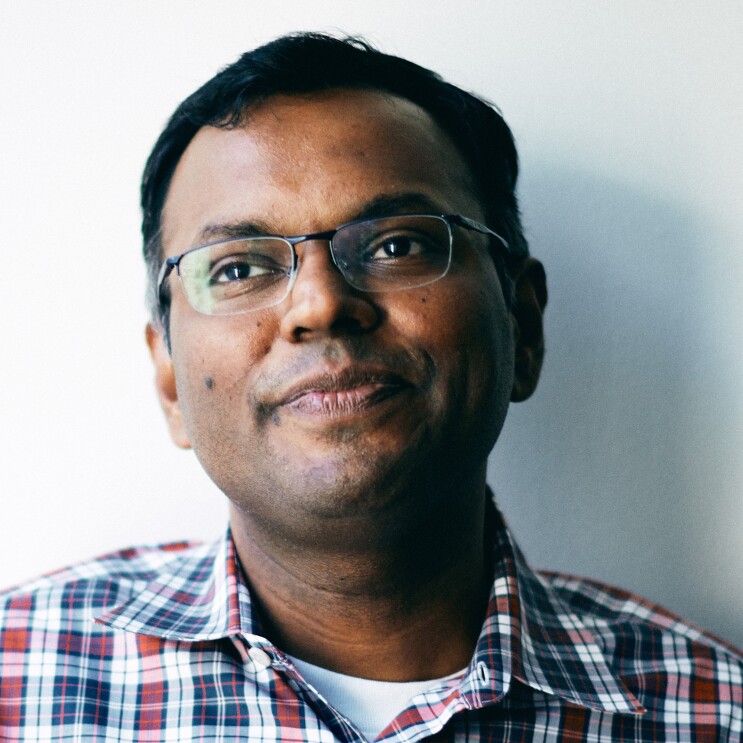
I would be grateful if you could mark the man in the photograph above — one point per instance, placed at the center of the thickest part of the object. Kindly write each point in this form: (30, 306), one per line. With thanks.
(343, 307)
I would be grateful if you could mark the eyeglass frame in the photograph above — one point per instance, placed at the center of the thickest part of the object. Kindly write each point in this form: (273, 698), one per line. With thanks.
(328, 235)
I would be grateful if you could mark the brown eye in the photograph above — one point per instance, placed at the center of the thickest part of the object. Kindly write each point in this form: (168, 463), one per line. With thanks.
(401, 245)
(236, 271)
(397, 247)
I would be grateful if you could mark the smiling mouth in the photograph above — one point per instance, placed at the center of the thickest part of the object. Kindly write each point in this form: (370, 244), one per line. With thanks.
(339, 396)
(342, 402)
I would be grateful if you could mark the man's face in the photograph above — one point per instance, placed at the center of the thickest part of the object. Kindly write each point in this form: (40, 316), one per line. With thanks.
(334, 403)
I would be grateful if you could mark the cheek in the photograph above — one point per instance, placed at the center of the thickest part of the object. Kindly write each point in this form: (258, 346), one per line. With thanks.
(467, 332)
(466, 314)
(213, 358)
(485, 331)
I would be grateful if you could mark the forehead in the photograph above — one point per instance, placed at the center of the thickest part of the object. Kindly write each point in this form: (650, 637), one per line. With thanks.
(300, 164)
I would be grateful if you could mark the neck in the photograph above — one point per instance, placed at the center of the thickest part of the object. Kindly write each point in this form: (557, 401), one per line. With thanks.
(415, 580)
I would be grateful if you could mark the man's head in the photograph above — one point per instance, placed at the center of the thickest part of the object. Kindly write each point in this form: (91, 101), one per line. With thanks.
(306, 63)
(337, 403)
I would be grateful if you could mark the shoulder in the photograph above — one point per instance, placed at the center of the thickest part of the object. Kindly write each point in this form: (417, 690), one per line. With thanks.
(606, 607)
(80, 592)
(661, 657)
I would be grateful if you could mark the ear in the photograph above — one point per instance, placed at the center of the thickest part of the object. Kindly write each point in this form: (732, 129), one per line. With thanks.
(165, 383)
(529, 301)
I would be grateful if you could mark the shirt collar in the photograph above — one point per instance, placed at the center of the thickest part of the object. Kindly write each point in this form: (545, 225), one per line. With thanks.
(198, 595)
(529, 633)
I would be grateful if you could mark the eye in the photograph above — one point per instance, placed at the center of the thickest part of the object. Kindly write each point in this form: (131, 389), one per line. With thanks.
(397, 247)
(269, 260)
(237, 269)
(400, 245)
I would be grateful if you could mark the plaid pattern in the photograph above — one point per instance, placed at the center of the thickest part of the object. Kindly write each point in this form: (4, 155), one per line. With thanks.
(162, 645)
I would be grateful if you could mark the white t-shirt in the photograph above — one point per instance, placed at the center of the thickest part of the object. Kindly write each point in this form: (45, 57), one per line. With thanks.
(370, 705)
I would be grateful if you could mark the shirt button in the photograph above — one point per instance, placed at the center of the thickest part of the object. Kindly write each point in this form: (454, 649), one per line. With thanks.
(483, 673)
(261, 659)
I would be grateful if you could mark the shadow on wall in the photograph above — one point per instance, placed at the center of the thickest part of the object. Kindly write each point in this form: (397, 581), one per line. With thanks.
(615, 469)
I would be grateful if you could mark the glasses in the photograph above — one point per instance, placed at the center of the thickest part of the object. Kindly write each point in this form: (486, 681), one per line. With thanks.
(251, 273)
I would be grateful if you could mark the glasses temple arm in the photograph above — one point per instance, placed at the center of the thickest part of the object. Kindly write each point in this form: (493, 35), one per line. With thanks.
(471, 224)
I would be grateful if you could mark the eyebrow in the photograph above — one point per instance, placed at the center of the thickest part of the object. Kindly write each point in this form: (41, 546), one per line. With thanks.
(380, 206)
(227, 230)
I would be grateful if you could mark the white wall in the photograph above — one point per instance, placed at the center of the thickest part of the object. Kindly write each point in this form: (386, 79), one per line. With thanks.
(627, 463)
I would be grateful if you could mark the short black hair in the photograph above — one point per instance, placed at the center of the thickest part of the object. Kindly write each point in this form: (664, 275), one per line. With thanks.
(310, 62)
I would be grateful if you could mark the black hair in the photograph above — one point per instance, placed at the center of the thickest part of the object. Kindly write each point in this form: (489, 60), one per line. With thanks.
(310, 62)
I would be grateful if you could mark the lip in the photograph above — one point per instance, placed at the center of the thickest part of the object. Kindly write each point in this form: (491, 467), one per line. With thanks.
(342, 393)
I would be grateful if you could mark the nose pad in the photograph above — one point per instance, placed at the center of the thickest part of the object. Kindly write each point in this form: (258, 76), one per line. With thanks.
(321, 300)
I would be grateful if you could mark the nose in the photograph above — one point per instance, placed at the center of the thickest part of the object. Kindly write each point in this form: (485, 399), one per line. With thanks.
(322, 302)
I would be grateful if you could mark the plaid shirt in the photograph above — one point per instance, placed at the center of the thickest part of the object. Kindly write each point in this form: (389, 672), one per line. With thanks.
(162, 645)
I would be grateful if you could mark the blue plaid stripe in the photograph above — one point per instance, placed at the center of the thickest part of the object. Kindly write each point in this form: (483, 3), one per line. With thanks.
(155, 644)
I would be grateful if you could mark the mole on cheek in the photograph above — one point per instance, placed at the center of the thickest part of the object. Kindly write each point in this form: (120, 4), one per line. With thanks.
(276, 419)
(209, 382)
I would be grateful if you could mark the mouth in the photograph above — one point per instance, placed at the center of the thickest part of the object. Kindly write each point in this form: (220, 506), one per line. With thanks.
(338, 395)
